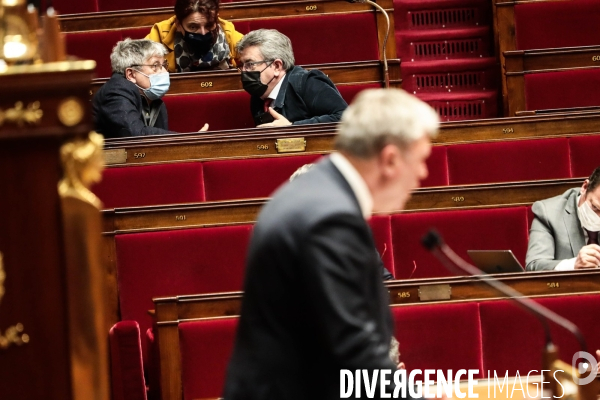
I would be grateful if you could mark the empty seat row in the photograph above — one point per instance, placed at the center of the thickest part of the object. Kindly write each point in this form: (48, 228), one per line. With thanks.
(207, 260)
(457, 164)
(490, 337)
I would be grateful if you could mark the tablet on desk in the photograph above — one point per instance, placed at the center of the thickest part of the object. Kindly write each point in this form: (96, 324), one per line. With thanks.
(495, 261)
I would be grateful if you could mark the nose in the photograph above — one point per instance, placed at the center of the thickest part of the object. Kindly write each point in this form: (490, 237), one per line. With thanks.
(202, 30)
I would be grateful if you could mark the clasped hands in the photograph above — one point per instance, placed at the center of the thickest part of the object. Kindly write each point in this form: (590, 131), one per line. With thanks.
(588, 257)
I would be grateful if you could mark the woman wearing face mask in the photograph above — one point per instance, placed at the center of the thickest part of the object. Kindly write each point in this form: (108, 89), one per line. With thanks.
(130, 103)
(196, 37)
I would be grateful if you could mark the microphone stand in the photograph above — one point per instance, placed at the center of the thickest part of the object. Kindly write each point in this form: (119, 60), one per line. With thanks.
(433, 242)
(386, 75)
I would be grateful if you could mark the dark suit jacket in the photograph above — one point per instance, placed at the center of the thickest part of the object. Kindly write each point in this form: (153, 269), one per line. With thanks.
(117, 109)
(556, 233)
(305, 97)
(314, 302)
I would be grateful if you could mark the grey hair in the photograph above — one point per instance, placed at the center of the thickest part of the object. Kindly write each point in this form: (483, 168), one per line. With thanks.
(271, 43)
(130, 52)
(378, 117)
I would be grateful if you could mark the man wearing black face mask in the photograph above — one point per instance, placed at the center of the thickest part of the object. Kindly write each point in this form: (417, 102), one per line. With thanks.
(284, 94)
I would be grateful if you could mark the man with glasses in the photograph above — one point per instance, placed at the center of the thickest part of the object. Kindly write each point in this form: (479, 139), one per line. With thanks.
(284, 94)
(130, 104)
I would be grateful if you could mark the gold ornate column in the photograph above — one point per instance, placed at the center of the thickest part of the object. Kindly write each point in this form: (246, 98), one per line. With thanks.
(53, 336)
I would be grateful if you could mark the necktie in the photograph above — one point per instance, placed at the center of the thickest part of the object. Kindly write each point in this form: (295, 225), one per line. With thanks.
(592, 237)
(268, 102)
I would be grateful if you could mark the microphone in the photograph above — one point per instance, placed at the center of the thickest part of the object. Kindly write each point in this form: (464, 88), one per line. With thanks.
(433, 242)
(386, 75)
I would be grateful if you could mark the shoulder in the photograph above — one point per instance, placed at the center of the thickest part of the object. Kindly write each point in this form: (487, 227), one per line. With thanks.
(232, 35)
(117, 85)
(554, 204)
(163, 31)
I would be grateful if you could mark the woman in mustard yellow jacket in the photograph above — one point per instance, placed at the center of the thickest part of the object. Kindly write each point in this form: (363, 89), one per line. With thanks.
(197, 39)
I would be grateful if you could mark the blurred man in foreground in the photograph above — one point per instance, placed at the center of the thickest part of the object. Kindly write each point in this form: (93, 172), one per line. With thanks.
(314, 302)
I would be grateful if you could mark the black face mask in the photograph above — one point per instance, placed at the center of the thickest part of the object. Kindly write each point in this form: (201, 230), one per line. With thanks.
(252, 84)
(198, 42)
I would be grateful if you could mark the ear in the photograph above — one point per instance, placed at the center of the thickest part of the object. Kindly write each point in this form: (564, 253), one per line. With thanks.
(129, 75)
(178, 26)
(278, 65)
(390, 158)
(584, 187)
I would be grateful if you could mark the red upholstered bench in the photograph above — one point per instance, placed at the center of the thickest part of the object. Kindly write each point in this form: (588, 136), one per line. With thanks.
(584, 155)
(441, 336)
(513, 339)
(151, 185)
(518, 160)
(382, 234)
(460, 106)
(127, 372)
(574, 23)
(228, 110)
(419, 14)
(487, 229)
(349, 37)
(562, 89)
(206, 347)
(437, 165)
(75, 7)
(177, 262)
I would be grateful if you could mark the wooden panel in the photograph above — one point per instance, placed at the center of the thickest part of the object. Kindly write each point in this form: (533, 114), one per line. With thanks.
(233, 12)
(319, 138)
(152, 218)
(406, 292)
(230, 80)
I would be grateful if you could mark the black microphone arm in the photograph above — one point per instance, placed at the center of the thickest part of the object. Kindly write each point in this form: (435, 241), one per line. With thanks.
(386, 75)
(433, 242)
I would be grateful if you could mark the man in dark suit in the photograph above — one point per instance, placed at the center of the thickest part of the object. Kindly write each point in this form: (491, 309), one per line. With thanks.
(314, 302)
(284, 94)
(564, 232)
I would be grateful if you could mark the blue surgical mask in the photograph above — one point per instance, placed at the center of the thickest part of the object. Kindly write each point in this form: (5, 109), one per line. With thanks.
(159, 85)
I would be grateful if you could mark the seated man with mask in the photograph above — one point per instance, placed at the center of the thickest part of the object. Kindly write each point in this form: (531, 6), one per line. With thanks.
(564, 233)
(130, 104)
(284, 94)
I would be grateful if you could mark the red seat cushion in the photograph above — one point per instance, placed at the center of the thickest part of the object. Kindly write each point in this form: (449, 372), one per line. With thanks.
(507, 347)
(429, 338)
(127, 372)
(437, 165)
(178, 262)
(487, 229)
(517, 160)
(206, 347)
(229, 110)
(349, 92)
(562, 89)
(574, 23)
(249, 178)
(353, 37)
(584, 155)
(382, 234)
(151, 185)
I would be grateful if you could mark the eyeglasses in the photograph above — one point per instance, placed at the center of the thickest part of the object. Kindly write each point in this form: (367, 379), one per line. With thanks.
(250, 65)
(155, 67)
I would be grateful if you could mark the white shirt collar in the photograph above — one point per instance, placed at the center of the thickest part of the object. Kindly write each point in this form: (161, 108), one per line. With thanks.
(275, 91)
(356, 182)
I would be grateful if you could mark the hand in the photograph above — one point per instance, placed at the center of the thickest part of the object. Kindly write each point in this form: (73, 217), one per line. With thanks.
(402, 366)
(588, 257)
(598, 366)
(204, 128)
(280, 120)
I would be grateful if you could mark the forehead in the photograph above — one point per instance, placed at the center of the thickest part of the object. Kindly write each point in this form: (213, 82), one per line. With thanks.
(154, 59)
(251, 53)
(195, 18)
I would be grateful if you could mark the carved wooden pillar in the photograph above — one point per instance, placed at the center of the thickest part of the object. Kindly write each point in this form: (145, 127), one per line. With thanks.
(53, 337)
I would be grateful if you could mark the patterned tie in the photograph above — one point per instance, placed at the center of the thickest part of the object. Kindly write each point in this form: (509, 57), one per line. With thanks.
(268, 102)
(592, 237)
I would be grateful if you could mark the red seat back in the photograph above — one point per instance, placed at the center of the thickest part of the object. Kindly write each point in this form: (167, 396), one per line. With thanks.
(574, 23)
(249, 178)
(351, 37)
(429, 338)
(518, 160)
(151, 185)
(178, 262)
(562, 89)
(382, 234)
(487, 229)
(206, 347)
(584, 155)
(75, 7)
